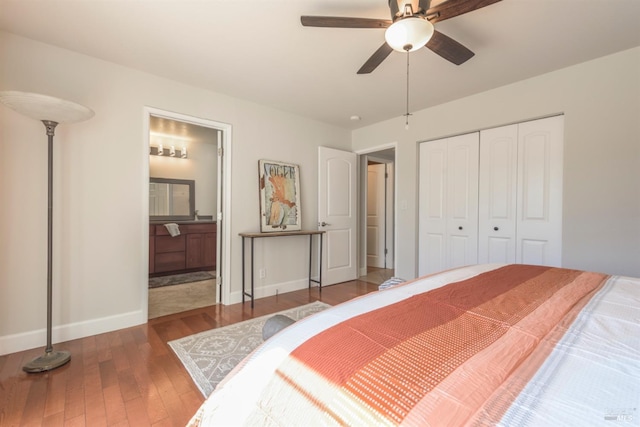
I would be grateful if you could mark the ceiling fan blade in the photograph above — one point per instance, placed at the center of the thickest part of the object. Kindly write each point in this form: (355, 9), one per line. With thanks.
(448, 48)
(451, 8)
(376, 59)
(343, 22)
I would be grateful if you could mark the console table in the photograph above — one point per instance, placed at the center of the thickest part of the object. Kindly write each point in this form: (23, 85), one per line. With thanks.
(253, 236)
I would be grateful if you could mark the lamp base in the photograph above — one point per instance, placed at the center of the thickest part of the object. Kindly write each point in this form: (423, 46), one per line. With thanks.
(48, 361)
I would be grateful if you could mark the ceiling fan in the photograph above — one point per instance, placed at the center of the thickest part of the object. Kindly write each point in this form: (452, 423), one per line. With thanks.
(410, 28)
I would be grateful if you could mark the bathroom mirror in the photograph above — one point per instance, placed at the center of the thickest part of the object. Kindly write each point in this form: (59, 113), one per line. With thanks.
(171, 199)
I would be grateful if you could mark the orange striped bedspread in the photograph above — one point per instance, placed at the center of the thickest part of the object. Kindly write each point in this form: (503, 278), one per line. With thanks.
(473, 346)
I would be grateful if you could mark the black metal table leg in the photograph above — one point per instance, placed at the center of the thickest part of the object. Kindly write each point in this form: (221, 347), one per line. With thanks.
(310, 251)
(243, 270)
(245, 259)
(252, 275)
(320, 264)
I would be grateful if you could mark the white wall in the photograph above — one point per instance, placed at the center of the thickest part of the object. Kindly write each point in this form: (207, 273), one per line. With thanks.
(601, 199)
(100, 179)
(100, 210)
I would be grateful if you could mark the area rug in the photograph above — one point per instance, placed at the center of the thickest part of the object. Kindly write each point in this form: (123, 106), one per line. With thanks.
(178, 279)
(210, 355)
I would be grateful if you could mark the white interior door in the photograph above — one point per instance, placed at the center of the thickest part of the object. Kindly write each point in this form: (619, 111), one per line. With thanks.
(219, 218)
(462, 200)
(497, 207)
(432, 207)
(448, 205)
(376, 208)
(540, 149)
(390, 216)
(337, 216)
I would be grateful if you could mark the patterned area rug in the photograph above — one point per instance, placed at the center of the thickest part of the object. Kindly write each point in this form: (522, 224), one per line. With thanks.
(178, 279)
(210, 355)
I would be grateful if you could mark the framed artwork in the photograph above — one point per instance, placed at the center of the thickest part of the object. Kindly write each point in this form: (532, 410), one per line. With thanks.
(279, 196)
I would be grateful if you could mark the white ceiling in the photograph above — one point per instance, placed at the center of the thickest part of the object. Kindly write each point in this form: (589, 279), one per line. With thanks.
(258, 50)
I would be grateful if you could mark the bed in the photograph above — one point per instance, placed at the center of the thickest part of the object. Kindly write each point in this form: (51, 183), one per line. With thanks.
(480, 345)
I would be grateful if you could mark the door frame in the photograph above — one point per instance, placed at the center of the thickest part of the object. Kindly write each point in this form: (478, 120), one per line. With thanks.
(362, 191)
(223, 215)
(380, 185)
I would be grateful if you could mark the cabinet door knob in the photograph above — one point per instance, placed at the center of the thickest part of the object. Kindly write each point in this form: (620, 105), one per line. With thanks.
(495, 229)
(460, 228)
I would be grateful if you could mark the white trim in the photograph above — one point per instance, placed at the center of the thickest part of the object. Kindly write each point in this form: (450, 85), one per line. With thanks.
(363, 153)
(71, 331)
(377, 148)
(226, 190)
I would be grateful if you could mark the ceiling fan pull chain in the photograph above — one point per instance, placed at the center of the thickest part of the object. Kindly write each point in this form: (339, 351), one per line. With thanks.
(406, 125)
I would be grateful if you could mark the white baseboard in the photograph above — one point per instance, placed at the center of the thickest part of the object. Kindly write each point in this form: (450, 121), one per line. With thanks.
(38, 338)
(270, 290)
(363, 271)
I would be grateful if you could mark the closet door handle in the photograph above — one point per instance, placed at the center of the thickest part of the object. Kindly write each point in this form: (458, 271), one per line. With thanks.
(495, 229)
(460, 228)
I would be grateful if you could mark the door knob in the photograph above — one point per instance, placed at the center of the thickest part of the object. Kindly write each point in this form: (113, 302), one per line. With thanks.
(460, 228)
(323, 224)
(495, 229)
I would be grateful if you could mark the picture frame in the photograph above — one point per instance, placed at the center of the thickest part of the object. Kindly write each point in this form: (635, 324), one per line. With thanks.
(279, 196)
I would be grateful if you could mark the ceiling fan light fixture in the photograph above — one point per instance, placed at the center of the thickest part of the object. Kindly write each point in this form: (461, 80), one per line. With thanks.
(408, 34)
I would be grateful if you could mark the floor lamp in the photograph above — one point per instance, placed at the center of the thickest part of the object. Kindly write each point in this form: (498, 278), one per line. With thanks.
(50, 111)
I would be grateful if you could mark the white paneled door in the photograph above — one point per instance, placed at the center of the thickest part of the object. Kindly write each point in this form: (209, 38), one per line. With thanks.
(432, 207)
(497, 206)
(390, 217)
(540, 170)
(518, 197)
(448, 223)
(337, 216)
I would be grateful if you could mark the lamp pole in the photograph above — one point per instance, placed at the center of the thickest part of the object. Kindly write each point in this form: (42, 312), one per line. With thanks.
(50, 111)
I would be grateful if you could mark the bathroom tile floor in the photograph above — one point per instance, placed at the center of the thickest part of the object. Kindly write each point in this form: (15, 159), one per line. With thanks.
(178, 298)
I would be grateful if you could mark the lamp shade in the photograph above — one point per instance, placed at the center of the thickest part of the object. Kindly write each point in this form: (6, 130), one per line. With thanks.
(43, 107)
(409, 34)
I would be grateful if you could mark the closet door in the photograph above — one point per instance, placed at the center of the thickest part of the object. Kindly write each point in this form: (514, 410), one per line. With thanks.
(497, 198)
(448, 223)
(462, 200)
(432, 207)
(539, 212)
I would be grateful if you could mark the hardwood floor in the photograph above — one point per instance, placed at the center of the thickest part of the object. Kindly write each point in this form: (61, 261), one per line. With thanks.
(131, 377)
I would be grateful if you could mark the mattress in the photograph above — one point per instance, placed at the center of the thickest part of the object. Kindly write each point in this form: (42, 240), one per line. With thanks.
(480, 345)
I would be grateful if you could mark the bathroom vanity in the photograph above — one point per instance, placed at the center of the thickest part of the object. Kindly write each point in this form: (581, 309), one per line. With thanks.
(193, 250)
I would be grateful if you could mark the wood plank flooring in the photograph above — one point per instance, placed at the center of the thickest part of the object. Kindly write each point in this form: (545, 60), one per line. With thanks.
(131, 377)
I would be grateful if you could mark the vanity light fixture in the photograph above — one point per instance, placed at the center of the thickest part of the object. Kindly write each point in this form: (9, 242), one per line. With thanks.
(159, 150)
(158, 142)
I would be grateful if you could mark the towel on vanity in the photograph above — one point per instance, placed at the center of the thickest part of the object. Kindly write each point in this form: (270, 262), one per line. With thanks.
(173, 229)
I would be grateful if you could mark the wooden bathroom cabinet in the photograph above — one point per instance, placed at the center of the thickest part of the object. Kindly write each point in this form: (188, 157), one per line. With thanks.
(193, 250)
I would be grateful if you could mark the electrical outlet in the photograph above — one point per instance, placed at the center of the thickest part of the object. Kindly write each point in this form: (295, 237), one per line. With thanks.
(263, 273)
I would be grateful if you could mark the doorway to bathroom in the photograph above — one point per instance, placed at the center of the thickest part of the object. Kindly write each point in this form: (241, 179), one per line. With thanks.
(187, 236)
